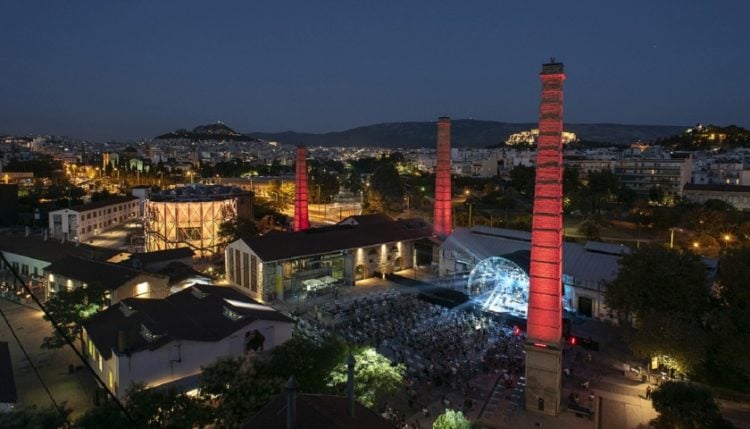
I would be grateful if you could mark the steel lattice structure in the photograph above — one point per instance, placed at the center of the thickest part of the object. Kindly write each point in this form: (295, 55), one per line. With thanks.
(188, 223)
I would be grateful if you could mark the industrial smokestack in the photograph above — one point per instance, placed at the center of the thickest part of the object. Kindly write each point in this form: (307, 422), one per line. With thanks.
(443, 223)
(291, 403)
(301, 220)
(350, 385)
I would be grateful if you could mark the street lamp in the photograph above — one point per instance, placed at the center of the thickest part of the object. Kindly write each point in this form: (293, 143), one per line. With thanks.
(671, 235)
(696, 245)
(726, 239)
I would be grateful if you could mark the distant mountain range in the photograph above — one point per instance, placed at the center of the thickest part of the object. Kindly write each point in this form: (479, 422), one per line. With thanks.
(465, 133)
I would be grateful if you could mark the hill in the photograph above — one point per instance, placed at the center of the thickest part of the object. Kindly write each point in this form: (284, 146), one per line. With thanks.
(216, 131)
(466, 133)
(709, 137)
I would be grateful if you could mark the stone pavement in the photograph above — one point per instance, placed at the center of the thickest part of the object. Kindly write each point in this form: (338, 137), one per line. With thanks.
(76, 389)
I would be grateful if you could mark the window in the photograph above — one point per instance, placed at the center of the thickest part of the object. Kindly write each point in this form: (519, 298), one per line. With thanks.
(148, 335)
(254, 273)
(247, 278)
(231, 314)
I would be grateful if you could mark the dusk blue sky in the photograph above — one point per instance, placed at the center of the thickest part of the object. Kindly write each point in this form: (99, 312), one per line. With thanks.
(122, 69)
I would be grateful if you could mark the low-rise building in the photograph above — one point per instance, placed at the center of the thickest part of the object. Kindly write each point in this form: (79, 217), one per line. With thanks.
(30, 255)
(85, 221)
(283, 264)
(160, 341)
(736, 195)
(586, 267)
(119, 281)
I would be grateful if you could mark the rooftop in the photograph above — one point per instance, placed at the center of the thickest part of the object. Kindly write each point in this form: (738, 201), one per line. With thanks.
(8, 392)
(197, 192)
(198, 313)
(351, 233)
(717, 188)
(104, 203)
(104, 274)
(317, 412)
(51, 250)
(593, 261)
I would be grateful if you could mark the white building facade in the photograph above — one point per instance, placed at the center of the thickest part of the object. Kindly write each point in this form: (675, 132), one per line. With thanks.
(85, 221)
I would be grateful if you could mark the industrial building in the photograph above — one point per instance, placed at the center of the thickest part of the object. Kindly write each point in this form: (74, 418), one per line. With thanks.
(277, 265)
(191, 216)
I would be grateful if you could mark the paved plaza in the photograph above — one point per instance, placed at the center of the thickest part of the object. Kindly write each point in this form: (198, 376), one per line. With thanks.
(75, 389)
(483, 392)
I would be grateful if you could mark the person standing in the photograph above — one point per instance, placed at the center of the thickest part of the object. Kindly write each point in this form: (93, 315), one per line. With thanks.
(648, 392)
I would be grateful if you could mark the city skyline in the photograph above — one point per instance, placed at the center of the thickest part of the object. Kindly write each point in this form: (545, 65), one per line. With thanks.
(136, 70)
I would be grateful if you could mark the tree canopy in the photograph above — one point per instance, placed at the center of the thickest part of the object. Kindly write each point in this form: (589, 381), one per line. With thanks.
(375, 376)
(386, 192)
(666, 291)
(686, 406)
(451, 419)
(70, 309)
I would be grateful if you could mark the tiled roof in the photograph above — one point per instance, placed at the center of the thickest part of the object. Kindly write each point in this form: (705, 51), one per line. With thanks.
(51, 250)
(368, 231)
(196, 314)
(107, 275)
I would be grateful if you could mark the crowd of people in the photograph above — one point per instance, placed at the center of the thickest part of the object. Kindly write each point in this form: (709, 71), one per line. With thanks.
(443, 349)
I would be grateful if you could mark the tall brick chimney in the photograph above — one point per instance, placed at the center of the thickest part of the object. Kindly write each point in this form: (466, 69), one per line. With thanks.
(301, 219)
(544, 339)
(443, 223)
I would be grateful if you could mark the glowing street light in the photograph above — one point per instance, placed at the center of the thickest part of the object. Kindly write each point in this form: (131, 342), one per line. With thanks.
(727, 238)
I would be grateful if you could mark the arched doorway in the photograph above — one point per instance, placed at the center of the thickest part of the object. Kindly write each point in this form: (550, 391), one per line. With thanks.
(397, 264)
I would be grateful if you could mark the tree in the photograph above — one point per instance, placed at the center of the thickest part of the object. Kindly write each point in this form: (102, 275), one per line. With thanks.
(165, 409)
(522, 179)
(451, 419)
(375, 376)
(107, 415)
(70, 308)
(666, 292)
(309, 362)
(601, 185)
(730, 321)
(34, 418)
(235, 229)
(241, 387)
(590, 229)
(686, 405)
(386, 193)
(282, 194)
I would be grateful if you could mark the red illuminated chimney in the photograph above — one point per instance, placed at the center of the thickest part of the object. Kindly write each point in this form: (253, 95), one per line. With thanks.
(544, 342)
(301, 221)
(443, 224)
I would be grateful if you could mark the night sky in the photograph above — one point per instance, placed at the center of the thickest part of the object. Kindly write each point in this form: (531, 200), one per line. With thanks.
(122, 69)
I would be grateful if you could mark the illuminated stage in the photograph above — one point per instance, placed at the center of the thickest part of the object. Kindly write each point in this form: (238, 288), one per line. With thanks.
(500, 284)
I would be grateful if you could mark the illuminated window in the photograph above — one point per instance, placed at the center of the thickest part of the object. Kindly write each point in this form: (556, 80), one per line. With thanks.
(142, 289)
